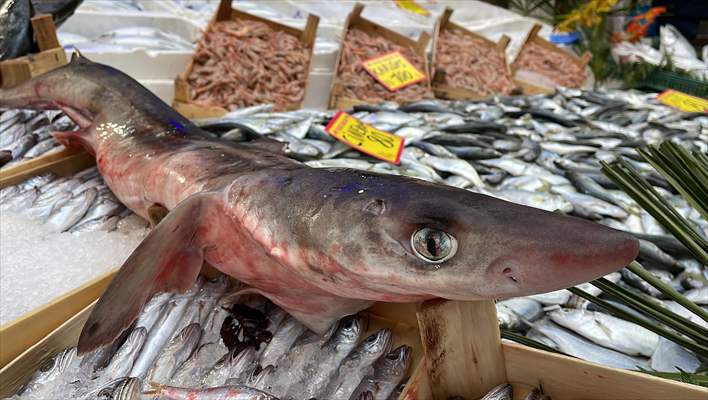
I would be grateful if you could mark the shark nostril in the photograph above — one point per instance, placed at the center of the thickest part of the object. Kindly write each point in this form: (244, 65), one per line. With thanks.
(507, 271)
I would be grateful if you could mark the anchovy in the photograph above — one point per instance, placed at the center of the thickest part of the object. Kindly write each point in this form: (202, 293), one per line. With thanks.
(294, 232)
(356, 365)
(318, 371)
(233, 392)
(176, 352)
(502, 392)
(388, 372)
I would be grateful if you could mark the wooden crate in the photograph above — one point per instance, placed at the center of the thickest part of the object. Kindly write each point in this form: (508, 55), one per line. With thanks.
(16, 71)
(465, 357)
(18, 335)
(454, 93)
(51, 55)
(528, 87)
(337, 99)
(399, 318)
(183, 97)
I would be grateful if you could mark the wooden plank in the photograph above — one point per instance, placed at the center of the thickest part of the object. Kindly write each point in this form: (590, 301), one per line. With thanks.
(45, 32)
(14, 72)
(21, 333)
(61, 163)
(569, 378)
(418, 386)
(16, 373)
(462, 347)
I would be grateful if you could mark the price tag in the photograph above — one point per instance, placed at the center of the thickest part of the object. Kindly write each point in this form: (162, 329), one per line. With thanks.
(393, 70)
(412, 6)
(367, 139)
(683, 101)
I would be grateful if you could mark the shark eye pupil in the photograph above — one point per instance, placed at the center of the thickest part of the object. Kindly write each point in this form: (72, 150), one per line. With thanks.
(432, 245)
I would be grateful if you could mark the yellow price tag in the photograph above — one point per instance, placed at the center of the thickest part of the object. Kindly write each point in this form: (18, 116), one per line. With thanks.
(367, 139)
(393, 70)
(683, 101)
(412, 6)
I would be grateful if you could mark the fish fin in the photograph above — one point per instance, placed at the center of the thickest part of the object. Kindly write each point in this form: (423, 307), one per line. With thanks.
(168, 259)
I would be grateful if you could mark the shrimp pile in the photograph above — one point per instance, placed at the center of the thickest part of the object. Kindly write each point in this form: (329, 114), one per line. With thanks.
(358, 84)
(553, 65)
(242, 63)
(471, 63)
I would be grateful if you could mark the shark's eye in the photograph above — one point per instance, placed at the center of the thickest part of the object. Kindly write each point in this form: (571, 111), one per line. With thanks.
(432, 245)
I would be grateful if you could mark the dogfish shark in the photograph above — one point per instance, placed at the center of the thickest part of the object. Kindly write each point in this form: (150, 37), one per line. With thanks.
(320, 243)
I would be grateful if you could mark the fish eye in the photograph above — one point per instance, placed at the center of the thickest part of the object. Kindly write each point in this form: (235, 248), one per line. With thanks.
(432, 245)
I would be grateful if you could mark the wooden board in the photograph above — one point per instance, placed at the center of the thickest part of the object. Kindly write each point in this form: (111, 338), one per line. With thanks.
(16, 71)
(16, 373)
(182, 102)
(61, 163)
(462, 347)
(22, 333)
(337, 100)
(455, 93)
(528, 87)
(566, 378)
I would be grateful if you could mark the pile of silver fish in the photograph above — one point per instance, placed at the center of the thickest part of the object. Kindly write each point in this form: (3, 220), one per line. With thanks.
(539, 151)
(78, 203)
(212, 342)
(25, 134)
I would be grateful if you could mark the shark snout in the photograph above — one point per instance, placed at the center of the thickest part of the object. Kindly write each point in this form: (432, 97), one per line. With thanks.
(566, 251)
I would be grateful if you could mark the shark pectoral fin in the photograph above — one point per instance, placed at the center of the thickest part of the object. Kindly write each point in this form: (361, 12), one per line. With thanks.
(168, 259)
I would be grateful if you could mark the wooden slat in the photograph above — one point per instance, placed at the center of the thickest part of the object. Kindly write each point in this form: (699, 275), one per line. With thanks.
(418, 386)
(16, 373)
(45, 32)
(61, 163)
(14, 72)
(567, 378)
(21, 333)
(462, 347)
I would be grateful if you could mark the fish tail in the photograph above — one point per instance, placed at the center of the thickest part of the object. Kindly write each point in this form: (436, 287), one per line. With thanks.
(168, 259)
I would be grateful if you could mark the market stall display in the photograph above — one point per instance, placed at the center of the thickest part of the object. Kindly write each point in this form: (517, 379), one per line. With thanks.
(363, 40)
(541, 66)
(244, 60)
(466, 65)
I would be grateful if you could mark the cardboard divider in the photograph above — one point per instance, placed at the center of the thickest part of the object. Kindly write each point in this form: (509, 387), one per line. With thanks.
(530, 88)
(437, 78)
(51, 55)
(337, 99)
(183, 101)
